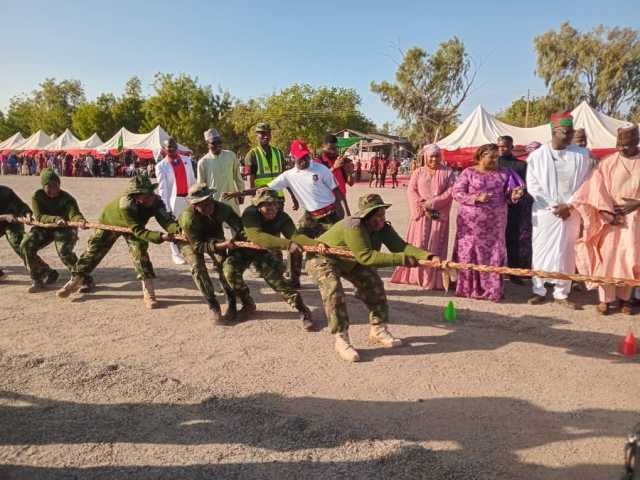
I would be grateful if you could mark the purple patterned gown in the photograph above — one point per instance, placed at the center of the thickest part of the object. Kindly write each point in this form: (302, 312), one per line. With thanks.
(480, 237)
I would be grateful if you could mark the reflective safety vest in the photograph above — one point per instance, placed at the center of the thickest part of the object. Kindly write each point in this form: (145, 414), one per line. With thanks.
(265, 172)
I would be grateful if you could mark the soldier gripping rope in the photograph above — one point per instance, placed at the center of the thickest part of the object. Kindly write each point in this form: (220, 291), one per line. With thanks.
(363, 234)
(132, 210)
(202, 225)
(52, 205)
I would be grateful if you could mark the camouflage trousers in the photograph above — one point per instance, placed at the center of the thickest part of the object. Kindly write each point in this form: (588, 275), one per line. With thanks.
(65, 240)
(15, 235)
(369, 288)
(201, 276)
(99, 245)
(311, 227)
(270, 268)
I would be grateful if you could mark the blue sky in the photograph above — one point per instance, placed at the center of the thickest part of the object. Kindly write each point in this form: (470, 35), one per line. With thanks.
(255, 48)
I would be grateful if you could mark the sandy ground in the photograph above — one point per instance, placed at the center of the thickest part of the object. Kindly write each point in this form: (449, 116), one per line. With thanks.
(101, 388)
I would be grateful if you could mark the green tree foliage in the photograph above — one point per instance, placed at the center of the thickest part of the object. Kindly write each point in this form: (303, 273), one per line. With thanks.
(429, 88)
(601, 66)
(185, 109)
(300, 111)
(540, 110)
(127, 110)
(96, 117)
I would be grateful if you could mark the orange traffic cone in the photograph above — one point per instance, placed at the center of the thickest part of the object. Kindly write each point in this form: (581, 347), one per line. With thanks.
(628, 346)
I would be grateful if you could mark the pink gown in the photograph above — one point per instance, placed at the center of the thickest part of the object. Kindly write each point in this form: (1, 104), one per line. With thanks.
(432, 189)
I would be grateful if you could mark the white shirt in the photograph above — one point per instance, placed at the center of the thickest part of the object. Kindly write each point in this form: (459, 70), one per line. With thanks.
(313, 186)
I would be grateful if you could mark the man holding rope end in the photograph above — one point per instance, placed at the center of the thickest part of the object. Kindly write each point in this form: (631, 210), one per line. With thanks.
(363, 234)
(132, 211)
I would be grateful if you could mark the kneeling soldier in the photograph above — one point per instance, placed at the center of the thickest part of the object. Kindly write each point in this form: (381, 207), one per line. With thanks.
(363, 234)
(264, 222)
(11, 209)
(202, 224)
(132, 210)
(55, 206)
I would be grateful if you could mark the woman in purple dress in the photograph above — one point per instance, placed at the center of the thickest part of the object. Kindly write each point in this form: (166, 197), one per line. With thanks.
(483, 192)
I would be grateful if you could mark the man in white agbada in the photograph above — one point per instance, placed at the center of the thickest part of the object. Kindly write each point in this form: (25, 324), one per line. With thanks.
(555, 171)
(175, 176)
(219, 169)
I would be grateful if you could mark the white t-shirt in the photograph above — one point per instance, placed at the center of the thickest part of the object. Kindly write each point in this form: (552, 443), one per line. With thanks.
(313, 186)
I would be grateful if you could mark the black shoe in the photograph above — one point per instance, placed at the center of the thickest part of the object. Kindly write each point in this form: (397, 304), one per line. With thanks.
(307, 320)
(36, 287)
(517, 281)
(51, 277)
(248, 309)
(88, 286)
(537, 300)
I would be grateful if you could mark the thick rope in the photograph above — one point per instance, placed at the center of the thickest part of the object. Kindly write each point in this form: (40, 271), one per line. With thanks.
(442, 265)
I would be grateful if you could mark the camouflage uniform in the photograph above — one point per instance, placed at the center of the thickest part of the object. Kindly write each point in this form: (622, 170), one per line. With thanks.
(312, 227)
(352, 234)
(203, 233)
(266, 234)
(10, 204)
(125, 212)
(51, 210)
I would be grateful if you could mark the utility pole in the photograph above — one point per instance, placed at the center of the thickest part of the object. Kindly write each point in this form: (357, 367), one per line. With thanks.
(526, 114)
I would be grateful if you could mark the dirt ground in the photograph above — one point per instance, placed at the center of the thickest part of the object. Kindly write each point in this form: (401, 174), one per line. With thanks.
(101, 388)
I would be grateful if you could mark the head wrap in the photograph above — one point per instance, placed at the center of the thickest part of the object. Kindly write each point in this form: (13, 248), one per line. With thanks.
(211, 135)
(627, 135)
(47, 176)
(532, 147)
(431, 149)
(564, 119)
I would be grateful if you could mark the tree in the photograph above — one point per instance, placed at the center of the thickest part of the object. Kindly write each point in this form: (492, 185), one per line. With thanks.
(6, 130)
(96, 117)
(127, 110)
(301, 111)
(540, 110)
(429, 89)
(185, 109)
(601, 66)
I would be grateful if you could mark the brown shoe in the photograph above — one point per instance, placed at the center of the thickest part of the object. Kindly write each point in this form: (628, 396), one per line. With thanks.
(603, 308)
(537, 300)
(565, 302)
(307, 320)
(72, 286)
(149, 294)
(380, 335)
(344, 349)
(626, 308)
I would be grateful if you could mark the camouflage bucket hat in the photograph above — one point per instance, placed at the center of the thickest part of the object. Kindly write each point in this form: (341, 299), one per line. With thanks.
(141, 184)
(263, 127)
(199, 193)
(265, 196)
(369, 203)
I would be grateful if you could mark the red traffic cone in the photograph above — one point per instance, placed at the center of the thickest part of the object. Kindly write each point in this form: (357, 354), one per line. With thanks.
(628, 346)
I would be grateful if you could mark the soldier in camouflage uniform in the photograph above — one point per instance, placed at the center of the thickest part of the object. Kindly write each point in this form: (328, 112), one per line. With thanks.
(51, 205)
(264, 223)
(132, 210)
(363, 234)
(12, 208)
(202, 224)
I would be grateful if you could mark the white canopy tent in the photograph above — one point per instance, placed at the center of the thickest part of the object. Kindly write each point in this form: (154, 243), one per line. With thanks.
(12, 142)
(84, 146)
(62, 142)
(145, 145)
(481, 127)
(35, 142)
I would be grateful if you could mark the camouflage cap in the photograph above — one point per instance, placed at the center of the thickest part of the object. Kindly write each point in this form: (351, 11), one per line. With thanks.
(141, 184)
(47, 176)
(265, 196)
(369, 203)
(199, 193)
(263, 127)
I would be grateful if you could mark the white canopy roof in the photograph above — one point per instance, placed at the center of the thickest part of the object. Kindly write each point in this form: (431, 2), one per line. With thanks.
(37, 141)
(154, 141)
(62, 142)
(481, 127)
(12, 142)
(90, 143)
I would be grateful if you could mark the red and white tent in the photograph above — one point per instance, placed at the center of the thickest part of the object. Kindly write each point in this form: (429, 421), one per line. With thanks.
(81, 147)
(62, 142)
(481, 127)
(144, 145)
(34, 143)
(11, 143)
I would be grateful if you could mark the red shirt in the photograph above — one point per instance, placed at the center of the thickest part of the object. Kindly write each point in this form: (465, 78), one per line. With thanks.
(338, 174)
(393, 166)
(180, 173)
